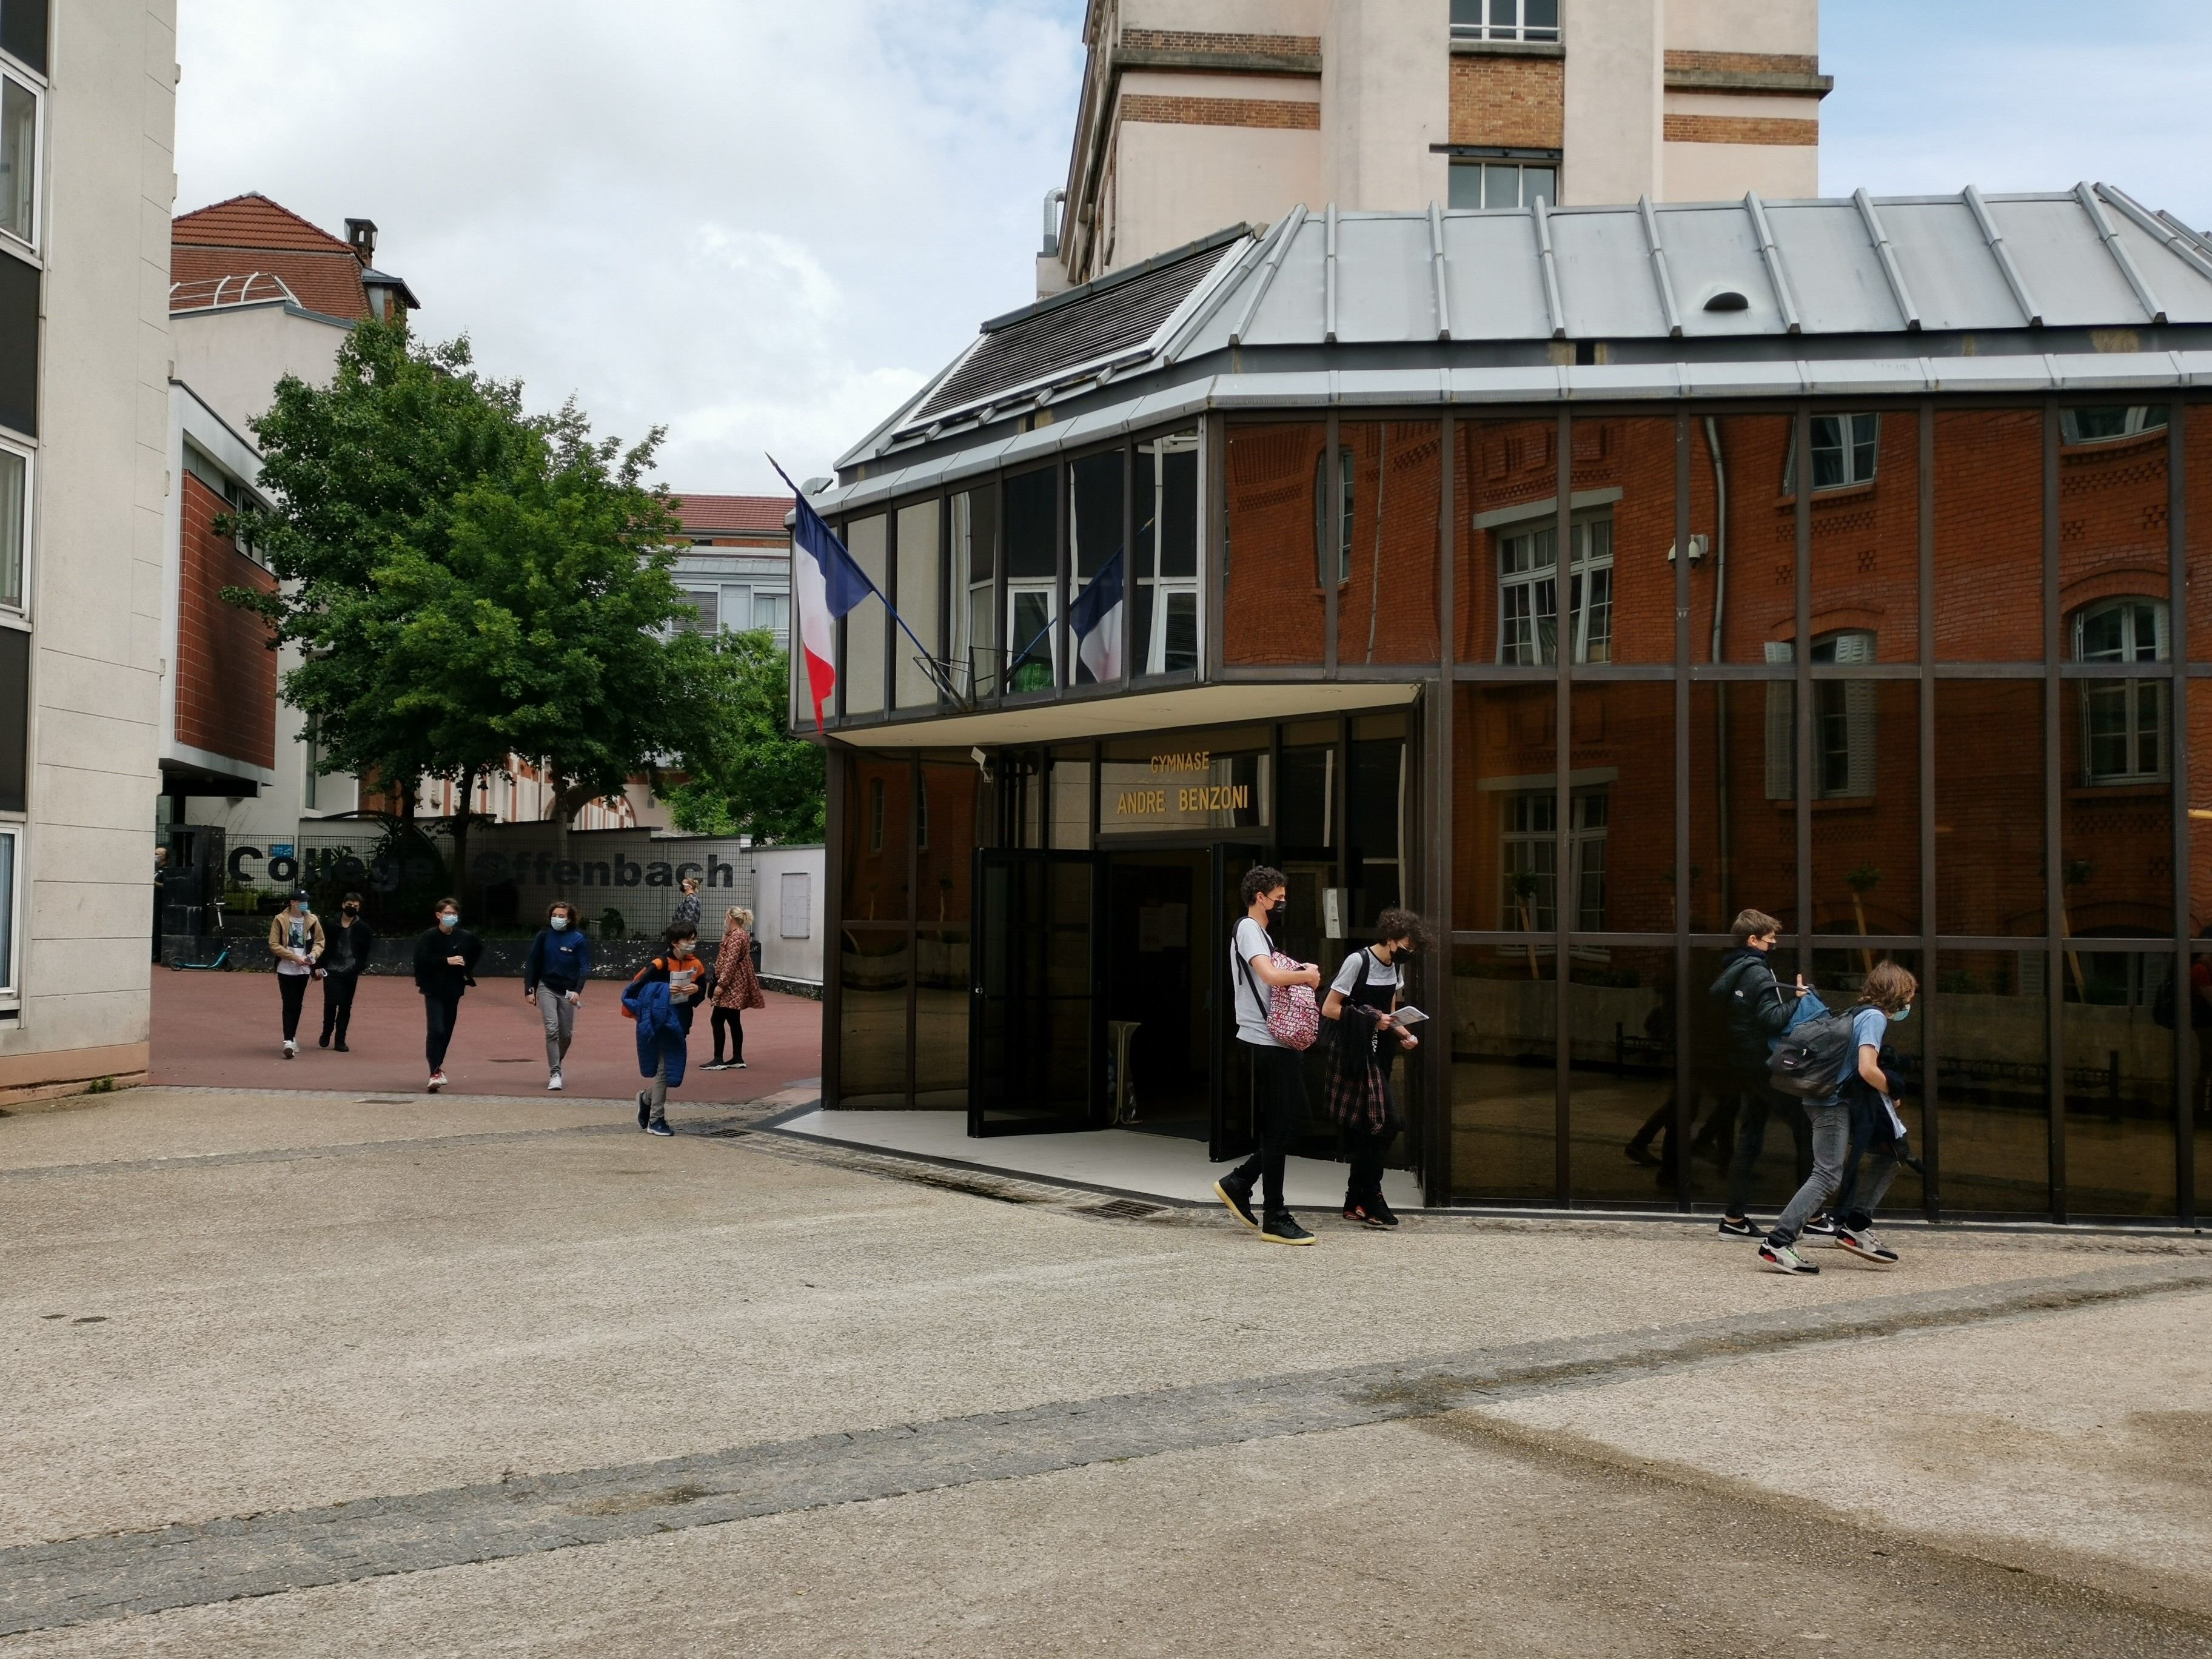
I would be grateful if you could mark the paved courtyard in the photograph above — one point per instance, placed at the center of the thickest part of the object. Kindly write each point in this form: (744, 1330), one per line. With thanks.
(319, 1373)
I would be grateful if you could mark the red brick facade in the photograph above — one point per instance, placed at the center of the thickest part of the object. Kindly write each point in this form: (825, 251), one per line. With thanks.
(1278, 113)
(1513, 101)
(226, 673)
(1742, 130)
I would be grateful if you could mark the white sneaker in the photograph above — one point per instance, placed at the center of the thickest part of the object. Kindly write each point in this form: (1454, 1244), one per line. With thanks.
(1865, 1246)
(1781, 1259)
(437, 1082)
(554, 1083)
(290, 1048)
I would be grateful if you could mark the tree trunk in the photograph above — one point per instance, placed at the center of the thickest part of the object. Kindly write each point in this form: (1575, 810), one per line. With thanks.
(461, 838)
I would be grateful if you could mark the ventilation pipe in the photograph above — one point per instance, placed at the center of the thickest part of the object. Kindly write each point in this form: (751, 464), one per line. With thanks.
(1720, 687)
(1050, 248)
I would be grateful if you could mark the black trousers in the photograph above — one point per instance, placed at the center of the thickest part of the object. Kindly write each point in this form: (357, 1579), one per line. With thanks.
(293, 988)
(338, 1003)
(439, 1013)
(730, 1018)
(1279, 1098)
(1367, 1148)
(1755, 1102)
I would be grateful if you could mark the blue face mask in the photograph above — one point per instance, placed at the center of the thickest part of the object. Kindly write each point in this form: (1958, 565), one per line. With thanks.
(1905, 1012)
(448, 918)
(558, 922)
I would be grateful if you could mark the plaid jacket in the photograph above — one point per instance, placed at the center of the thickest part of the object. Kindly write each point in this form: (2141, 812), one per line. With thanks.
(1353, 1094)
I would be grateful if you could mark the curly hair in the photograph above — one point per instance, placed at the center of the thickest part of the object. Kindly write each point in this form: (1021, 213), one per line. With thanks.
(1394, 924)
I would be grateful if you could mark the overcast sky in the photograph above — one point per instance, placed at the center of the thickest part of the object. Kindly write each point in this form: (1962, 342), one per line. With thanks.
(762, 223)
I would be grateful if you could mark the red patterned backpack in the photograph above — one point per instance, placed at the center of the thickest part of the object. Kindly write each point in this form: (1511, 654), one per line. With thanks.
(1293, 1014)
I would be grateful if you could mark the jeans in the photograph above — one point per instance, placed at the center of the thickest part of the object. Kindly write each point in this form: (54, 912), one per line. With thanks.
(730, 1017)
(439, 1014)
(338, 1003)
(1832, 1134)
(560, 1016)
(292, 988)
(1755, 1101)
(1861, 1195)
(1279, 1094)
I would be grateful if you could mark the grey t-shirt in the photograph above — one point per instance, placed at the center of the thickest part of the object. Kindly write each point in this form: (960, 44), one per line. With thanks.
(1347, 978)
(1252, 992)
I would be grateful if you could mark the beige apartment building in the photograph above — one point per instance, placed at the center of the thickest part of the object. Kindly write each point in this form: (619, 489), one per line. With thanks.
(1197, 114)
(87, 179)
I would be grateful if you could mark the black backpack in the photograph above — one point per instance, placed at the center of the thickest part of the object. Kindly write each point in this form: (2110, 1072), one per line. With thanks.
(1810, 1060)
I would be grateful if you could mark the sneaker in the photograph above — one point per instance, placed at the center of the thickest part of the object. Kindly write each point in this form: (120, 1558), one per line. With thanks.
(1781, 1259)
(1238, 1197)
(290, 1048)
(716, 1065)
(1365, 1217)
(1381, 1213)
(1284, 1229)
(737, 1065)
(437, 1082)
(1641, 1155)
(324, 1040)
(659, 1127)
(1864, 1245)
(340, 1046)
(644, 1109)
(1823, 1224)
(554, 1083)
(1742, 1227)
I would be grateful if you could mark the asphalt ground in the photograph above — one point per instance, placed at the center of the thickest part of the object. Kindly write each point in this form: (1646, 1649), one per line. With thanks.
(226, 1030)
(295, 1373)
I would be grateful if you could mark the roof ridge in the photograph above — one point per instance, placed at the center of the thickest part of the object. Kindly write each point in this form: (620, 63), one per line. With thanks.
(337, 244)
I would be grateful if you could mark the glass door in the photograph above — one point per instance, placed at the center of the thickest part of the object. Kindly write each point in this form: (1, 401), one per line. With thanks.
(1231, 1135)
(1036, 1024)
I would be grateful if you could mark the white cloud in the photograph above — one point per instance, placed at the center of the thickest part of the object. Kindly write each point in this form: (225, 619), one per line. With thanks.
(760, 225)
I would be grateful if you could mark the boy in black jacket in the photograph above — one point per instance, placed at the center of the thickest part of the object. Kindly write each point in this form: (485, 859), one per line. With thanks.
(1759, 1011)
(443, 958)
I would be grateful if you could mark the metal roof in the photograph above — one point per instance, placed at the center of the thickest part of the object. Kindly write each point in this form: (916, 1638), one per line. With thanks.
(1460, 294)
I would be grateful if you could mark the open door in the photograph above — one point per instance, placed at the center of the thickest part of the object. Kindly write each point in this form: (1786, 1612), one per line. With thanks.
(1036, 1021)
(1232, 1135)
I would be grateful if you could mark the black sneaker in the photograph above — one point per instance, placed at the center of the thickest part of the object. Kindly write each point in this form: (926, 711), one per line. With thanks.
(1284, 1229)
(1238, 1197)
(1361, 1213)
(340, 1046)
(715, 1065)
(1381, 1211)
(659, 1128)
(644, 1109)
(1823, 1224)
(1641, 1155)
(323, 1042)
(1742, 1227)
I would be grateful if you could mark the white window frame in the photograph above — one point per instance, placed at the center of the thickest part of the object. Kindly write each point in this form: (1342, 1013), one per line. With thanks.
(1019, 638)
(1520, 592)
(1153, 649)
(11, 931)
(701, 593)
(780, 630)
(32, 84)
(1533, 851)
(1347, 472)
(2135, 423)
(1857, 445)
(1849, 706)
(21, 606)
(1519, 166)
(2146, 705)
(1505, 20)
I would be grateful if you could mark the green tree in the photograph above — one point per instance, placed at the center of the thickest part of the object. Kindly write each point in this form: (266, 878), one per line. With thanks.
(750, 775)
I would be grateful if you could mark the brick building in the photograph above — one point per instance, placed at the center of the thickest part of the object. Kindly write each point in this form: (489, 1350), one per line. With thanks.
(1197, 113)
(1579, 575)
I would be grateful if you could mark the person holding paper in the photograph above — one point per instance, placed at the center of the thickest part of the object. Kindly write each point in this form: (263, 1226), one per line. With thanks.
(295, 939)
(1373, 977)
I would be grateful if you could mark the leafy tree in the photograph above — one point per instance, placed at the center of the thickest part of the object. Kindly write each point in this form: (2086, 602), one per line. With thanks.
(748, 775)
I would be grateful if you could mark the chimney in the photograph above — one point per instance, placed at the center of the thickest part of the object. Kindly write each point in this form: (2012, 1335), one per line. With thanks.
(362, 234)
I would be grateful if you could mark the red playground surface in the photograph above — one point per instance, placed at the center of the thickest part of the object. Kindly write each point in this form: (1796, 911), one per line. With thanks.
(225, 1030)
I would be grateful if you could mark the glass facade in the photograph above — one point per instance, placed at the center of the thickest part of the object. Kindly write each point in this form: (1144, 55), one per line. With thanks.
(1930, 681)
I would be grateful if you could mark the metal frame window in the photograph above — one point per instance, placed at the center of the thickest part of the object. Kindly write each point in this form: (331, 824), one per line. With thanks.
(2109, 423)
(1170, 645)
(1528, 593)
(1529, 858)
(21, 129)
(1032, 633)
(1505, 20)
(18, 468)
(1844, 717)
(1495, 184)
(2126, 724)
(1345, 470)
(706, 605)
(11, 864)
(1844, 450)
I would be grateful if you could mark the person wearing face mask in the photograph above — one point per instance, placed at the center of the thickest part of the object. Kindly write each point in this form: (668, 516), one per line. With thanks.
(1877, 1142)
(443, 958)
(295, 939)
(1278, 1088)
(1886, 995)
(1373, 977)
(341, 966)
(553, 976)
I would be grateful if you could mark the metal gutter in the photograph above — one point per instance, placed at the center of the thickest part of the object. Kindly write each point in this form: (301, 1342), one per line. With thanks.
(1218, 297)
(1328, 278)
(1659, 267)
(1772, 254)
(2183, 243)
(2110, 237)
(1291, 223)
(1437, 271)
(1554, 307)
(2003, 254)
(1887, 255)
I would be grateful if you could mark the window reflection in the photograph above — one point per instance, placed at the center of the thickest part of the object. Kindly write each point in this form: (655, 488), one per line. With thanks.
(1275, 610)
(1167, 590)
(1505, 1082)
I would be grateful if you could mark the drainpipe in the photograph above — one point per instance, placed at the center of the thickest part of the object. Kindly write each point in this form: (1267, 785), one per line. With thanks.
(1720, 687)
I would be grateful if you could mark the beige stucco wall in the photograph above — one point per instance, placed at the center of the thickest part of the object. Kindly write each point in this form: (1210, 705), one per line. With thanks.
(1386, 98)
(1173, 183)
(1768, 26)
(1722, 172)
(1613, 149)
(233, 359)
(97, 551)
(1226, 16)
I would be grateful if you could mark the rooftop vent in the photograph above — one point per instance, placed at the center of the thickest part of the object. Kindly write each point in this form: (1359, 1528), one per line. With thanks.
(1729, 299)
(360, 236)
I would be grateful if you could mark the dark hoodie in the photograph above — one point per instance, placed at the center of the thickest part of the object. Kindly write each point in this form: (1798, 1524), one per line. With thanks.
(1758, 1012)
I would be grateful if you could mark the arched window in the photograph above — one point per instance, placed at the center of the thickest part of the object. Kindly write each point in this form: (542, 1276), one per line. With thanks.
(2125, 724)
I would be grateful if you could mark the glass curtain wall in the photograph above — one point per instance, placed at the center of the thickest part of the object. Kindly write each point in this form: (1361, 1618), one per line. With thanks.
(1913, 679)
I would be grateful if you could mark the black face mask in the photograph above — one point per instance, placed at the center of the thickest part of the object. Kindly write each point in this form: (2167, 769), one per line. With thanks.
(1280, 907)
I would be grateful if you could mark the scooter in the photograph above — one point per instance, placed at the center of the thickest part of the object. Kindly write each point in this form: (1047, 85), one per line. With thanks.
(222, 960)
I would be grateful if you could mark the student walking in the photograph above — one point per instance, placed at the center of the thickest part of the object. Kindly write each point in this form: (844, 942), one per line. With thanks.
(662, 999)
(342, 968)
(1279, 1087)
(1371, 980)
(687, 907)
(445, 956)
(1758, 1010)
(295, 939)
(737, 987)
(1886, 995)
(553, 976)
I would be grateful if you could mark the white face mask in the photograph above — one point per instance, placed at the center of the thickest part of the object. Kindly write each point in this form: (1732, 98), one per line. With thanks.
(558, 923)
(448, 918)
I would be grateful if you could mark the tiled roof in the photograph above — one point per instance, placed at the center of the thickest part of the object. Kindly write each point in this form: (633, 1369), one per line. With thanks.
(250, 233)
(736, 515)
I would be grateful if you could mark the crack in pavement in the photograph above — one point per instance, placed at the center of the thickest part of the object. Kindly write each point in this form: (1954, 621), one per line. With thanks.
(75, 1580)
(294, 1154)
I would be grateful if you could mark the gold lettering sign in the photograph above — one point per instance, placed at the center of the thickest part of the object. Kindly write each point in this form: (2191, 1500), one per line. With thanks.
(1200, 761)
(1135, 802)
(1213, 798)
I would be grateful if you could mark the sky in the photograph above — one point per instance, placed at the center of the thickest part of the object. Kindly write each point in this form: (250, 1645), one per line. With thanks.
(762, 224)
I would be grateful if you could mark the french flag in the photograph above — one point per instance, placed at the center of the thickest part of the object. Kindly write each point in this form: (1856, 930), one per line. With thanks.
(1095, 618)
(827, 583)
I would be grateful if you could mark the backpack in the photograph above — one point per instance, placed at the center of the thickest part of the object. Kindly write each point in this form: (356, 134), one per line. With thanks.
(1293, 1015)
(1810, 1060)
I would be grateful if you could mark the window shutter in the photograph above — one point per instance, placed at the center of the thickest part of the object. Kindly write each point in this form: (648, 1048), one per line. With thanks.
(1781, 729)
(1859, 715)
